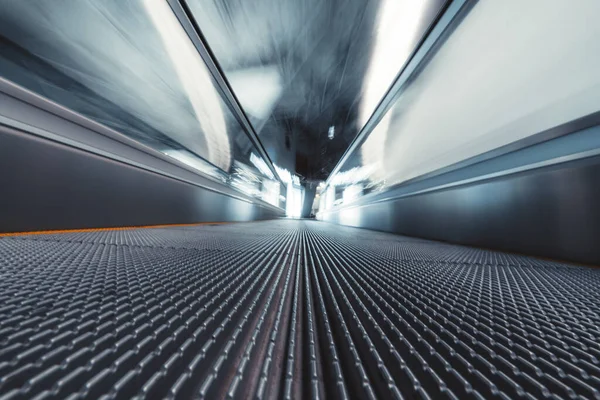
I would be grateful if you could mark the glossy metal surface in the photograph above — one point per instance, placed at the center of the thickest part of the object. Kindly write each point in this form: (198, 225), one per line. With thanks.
(549, 212)
(312, 71)
(60, 187)
(485, 88)
(132, 67)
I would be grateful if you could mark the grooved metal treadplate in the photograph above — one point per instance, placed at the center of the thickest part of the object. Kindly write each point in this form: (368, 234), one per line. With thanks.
(289, 309)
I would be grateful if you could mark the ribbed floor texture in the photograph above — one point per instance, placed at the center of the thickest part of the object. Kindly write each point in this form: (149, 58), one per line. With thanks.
(289, 309)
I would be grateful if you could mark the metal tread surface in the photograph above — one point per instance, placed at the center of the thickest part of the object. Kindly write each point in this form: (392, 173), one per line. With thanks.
(289, 309)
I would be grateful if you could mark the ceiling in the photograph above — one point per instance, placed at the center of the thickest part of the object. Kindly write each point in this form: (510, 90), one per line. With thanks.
(313, 70)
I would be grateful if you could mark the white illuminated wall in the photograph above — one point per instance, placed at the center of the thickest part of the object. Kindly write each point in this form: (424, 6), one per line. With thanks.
(511, 69)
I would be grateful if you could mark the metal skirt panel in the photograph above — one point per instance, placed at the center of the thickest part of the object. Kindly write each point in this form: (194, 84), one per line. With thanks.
(550, 212)
(47, 185)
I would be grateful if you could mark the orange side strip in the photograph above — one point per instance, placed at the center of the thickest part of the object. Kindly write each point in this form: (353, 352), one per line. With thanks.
(120, 228)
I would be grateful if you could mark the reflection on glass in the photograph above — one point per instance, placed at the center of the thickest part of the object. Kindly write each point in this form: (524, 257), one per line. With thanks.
(130, 66)
(506, 72)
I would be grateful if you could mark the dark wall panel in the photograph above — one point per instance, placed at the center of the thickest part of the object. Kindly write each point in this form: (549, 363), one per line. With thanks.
(46, 185)
(550, 212)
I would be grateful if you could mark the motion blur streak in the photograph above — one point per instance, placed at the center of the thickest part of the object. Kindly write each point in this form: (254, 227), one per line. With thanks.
(311, 70)
(447, 115)
(195, 79)
(397, 28)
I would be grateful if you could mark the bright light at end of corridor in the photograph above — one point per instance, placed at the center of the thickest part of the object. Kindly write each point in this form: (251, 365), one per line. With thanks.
(294, 201)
